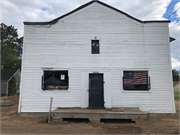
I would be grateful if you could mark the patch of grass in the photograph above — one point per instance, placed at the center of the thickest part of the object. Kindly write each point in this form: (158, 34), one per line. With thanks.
(177, 87)
(176, 95)
(44, 120)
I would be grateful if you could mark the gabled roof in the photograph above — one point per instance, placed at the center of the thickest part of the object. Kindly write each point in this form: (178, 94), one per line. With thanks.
(85, 5)
(6, 74)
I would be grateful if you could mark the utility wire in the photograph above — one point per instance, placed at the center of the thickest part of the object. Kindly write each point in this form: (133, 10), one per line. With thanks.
(149, 9)
(173, 13)
(174, 24)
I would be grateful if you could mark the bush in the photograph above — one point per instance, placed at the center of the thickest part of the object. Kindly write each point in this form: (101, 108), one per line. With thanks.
(17, 93)
(12, 89)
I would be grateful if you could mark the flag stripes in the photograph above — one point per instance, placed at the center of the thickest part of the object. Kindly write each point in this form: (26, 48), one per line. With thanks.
(136, 77)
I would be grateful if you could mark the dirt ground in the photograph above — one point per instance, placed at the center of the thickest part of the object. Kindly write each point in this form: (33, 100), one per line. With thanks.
(12, 123)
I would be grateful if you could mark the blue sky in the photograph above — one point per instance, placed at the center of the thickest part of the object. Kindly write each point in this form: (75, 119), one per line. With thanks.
(174, 31)
(170, 10)
(15, 12)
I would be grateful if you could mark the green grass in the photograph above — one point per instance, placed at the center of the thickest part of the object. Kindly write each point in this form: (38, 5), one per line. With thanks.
(44, 120)
(176, 95)
(177, 87)
(176, 91)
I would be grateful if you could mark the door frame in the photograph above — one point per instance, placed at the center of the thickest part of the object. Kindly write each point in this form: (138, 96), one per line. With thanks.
(90, 91)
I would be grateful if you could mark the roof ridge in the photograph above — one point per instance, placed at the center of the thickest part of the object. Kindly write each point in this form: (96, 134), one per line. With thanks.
(54, 21)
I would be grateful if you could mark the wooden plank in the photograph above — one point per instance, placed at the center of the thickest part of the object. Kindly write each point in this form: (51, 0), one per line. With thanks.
(50, 108)
(97, 116)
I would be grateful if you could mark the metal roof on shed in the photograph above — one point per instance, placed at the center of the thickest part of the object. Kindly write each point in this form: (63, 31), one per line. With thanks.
(6, 74)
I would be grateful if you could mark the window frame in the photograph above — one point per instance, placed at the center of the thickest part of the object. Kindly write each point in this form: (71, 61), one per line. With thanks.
(92, 46)
(137, 90)
(42, 79)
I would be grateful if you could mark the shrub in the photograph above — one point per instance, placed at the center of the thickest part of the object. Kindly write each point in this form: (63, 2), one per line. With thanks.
(12, 87)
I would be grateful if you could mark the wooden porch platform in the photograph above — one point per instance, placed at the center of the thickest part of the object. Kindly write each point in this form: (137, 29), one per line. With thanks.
(97, 114)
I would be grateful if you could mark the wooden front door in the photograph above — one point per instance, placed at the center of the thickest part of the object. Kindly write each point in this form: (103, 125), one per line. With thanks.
(96, 92)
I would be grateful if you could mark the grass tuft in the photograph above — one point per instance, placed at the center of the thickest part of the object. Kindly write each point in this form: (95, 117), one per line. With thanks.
(44, 120)
(176, 95)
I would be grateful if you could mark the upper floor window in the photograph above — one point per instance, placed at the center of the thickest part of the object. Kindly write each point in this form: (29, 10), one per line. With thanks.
(136, 80)
(95, 47)
(55, 80)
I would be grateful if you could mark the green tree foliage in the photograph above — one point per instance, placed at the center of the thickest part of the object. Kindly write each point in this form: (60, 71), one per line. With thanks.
(12, 89)
(12, 62)
(11, 47)
(175, 74)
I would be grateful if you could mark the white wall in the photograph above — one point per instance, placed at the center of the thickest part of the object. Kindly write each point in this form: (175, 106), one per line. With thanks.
(124, 44)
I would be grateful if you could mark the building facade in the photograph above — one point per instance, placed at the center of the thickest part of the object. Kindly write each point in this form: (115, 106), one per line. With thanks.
(97, 57)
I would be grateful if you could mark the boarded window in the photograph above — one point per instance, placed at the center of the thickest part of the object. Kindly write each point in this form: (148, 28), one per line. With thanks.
(136, 80)
(55, 80)
(95, 47)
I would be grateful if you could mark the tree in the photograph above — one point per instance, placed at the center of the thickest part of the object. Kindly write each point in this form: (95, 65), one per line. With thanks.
(12, 62)
(11, 47)
(12, 89)
(175, 74)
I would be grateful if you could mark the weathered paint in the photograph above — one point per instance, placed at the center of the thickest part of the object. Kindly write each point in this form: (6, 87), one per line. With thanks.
(125, 44)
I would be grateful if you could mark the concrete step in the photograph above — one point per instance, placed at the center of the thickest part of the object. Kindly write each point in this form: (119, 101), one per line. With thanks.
(6, 103)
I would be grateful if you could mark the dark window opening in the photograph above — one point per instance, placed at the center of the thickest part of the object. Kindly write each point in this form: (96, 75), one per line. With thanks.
(95, 47)
(55, 80)
(136, 80)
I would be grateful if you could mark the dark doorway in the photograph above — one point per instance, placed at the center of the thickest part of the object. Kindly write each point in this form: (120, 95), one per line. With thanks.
(96, 93)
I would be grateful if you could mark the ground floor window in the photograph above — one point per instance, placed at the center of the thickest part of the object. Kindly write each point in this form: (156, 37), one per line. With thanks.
(136, 80)
(55, 80)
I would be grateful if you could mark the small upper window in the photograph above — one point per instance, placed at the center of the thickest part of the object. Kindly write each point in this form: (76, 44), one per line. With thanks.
(55, 80)
(136, 80)
(95, 46)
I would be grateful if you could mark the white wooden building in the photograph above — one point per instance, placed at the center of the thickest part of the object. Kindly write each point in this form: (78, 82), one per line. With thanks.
(97, 56)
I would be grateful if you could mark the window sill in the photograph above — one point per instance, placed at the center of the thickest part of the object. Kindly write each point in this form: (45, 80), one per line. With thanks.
(55, 90)
(137, 91)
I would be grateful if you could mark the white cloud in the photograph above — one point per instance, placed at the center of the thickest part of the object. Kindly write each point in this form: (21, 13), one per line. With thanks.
(15, 12)
(175, 63)
(176, 7)
(172, 24)
(142, 9)
(175, 45)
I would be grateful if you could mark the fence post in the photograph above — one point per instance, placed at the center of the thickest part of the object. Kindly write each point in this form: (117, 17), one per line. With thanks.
(50, 109)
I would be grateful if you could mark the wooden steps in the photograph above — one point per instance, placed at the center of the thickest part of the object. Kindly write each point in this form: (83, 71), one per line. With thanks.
(95, 115)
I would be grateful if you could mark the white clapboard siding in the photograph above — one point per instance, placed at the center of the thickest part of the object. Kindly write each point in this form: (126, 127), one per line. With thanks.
(125, 44)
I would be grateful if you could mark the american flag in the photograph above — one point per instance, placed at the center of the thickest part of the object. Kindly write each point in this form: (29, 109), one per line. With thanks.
(135, 77)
